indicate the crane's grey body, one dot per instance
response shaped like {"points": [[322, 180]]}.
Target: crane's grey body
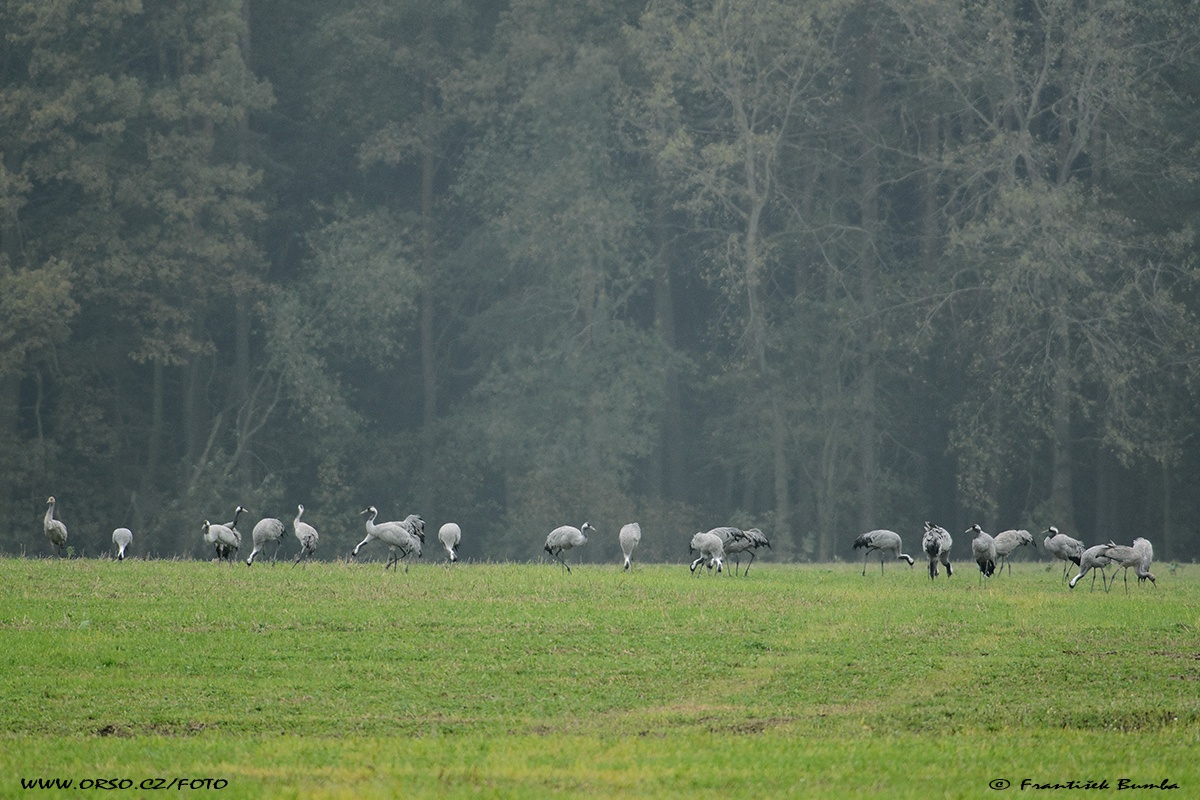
{"points": [[122, 538], [402, 537], [1064, 548], [936, 544], [267, 529], [883, 541], [983, 548], [711, 548], [225, 549], [739, 542], [1008, 541], [1138, 556], [223, 538], [1091, 559], [450, 535], [55, 530], [564, 538], [630, 537], [1144, 547], [305, 534], [416, 531]]}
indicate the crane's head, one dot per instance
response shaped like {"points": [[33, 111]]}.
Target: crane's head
{"points": [[1053, 531], [50, 500], [587, 526], [369, 511], [974, 529], [206, 526]]}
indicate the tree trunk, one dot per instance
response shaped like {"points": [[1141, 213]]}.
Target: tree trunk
{"points": [[155, 439], [868, 190], [1061, 492], [670, 467]]}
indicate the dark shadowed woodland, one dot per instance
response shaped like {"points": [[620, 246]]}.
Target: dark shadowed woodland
{"points": [[813, 267]]}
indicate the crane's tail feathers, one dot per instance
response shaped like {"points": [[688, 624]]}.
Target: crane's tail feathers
{"points": [[862, 541]]}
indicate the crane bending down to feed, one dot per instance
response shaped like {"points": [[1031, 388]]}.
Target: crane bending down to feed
{"points": [[1136, 557], [1094, 558], [266, 530], [225, 539], [1064, 548], [983, 547], [307, 536], [630, 537], [937, 543], [566, 537], [401, 537], [883, 541], [743, 542], [122, 538], [55, 530], [1008, 541], [450, 535], [1144, 547], [711, 549]]}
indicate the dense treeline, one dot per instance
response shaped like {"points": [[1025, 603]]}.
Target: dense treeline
{"points": [[813, 267]]}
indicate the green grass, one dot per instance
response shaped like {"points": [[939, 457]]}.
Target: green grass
{"points": [[337, 680]]}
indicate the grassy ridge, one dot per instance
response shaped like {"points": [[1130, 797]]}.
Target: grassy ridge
{"points": [[521, 680]]}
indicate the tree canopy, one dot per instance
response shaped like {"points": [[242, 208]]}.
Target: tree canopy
{"points": [[814, 267]]}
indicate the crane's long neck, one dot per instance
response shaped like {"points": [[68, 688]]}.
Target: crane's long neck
{"points": [[371, 522], [49, 513]]}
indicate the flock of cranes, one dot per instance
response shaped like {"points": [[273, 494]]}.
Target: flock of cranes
{"points": [[405, 538], [988, 550]]}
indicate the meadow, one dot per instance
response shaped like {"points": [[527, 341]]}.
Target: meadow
{"points": [[520, 680]]}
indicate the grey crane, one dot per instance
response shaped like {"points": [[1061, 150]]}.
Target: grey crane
{"points": [[630, 537], [401, 537], [1063, 547], [937, 543], [1010, 540], [566, 537], [416, 529], [450, 535], [711, 549], [122, 538], [1147, 550], [267, 529], [884, 541], [727, 534], [55, 530], [307, 536], [222, 537], [983, 547], [224, 548], [1125, 556], [1091, 559], [747, 541]]}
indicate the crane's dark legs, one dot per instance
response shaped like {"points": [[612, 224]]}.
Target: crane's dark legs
{"points": [[558, 555]]}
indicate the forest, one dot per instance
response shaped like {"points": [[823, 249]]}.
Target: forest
{"points": [[811, 266]]}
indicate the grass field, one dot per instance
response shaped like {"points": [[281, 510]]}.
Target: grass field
{"points": [[519, 680]]}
